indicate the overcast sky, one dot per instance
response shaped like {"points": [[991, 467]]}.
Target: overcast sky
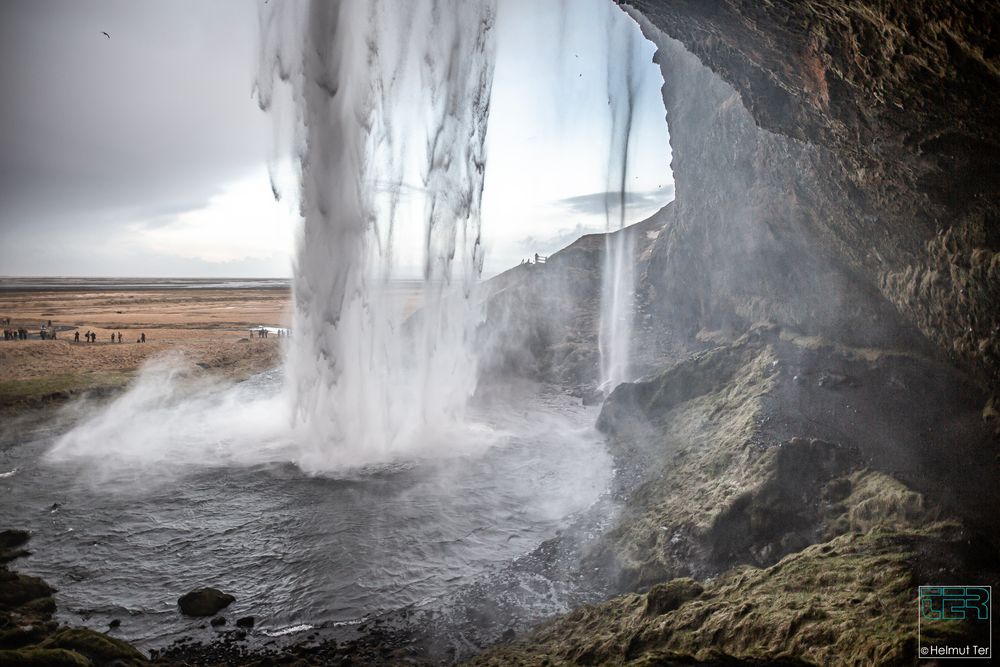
{"points": [[145, 154]]}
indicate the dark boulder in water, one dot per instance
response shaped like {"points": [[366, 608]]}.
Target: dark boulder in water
{"points": [[11, 542], [204, 602], [10, 539], [245, 622]]}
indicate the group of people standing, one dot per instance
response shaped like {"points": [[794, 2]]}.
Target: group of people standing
{"points": [[20, 333], [48, 332], [15, 334], [262, 333], [116, 337]]}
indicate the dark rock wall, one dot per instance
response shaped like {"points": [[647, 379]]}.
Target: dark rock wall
{"points": [[743, 247], [833, 158]]}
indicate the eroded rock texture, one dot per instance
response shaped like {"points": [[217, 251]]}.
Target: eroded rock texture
{"points": [[833, 152]]}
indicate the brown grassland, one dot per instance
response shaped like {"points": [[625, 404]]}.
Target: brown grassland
{"points": [[209, 327]]}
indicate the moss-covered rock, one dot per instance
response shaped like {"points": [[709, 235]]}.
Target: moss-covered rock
{"points": [[29, 636], [847, 601], [18, 589], [662, 598], [97, 647], [25, 633], [782, 516], [747, 452], [41, 657]]}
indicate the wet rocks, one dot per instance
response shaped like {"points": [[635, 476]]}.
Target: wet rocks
{"points": [[98, 648], [20, 589], [29, 636], [13, 538], [39, 657], [245, 622], [204, 602], [11, 543]]}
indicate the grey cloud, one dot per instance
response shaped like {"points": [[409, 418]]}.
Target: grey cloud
{"points": [[597, 203], [129, 130]]}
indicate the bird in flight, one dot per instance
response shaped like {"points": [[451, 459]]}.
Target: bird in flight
{"points": [[106, 34]]}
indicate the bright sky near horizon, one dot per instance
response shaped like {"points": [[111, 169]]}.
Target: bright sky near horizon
{"points": [[144, 154]]}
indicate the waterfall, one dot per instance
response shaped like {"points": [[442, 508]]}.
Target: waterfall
{"points": [[617, 278], [617, 297], [390, 102]]}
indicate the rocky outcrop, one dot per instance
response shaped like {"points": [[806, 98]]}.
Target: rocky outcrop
{"points": [[30, 636], [748, 447], [844, 602], [793, 493], [872, 150]]}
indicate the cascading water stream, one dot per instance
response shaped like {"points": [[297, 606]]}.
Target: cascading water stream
{"points": [[618, 279], [386, 93]]}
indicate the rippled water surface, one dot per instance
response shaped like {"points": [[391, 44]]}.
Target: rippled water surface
{"points": [[297, 549]]}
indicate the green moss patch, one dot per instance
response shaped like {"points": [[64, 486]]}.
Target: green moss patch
{"points": [[33, 390], [849, 601], [97, 647], [40, 657]]}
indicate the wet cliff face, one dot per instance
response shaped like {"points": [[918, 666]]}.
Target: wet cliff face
{"points": [[837, 169]]}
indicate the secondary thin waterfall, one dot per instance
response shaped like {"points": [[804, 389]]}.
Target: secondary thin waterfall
{"points": [[391, 102], [618, 279]]}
